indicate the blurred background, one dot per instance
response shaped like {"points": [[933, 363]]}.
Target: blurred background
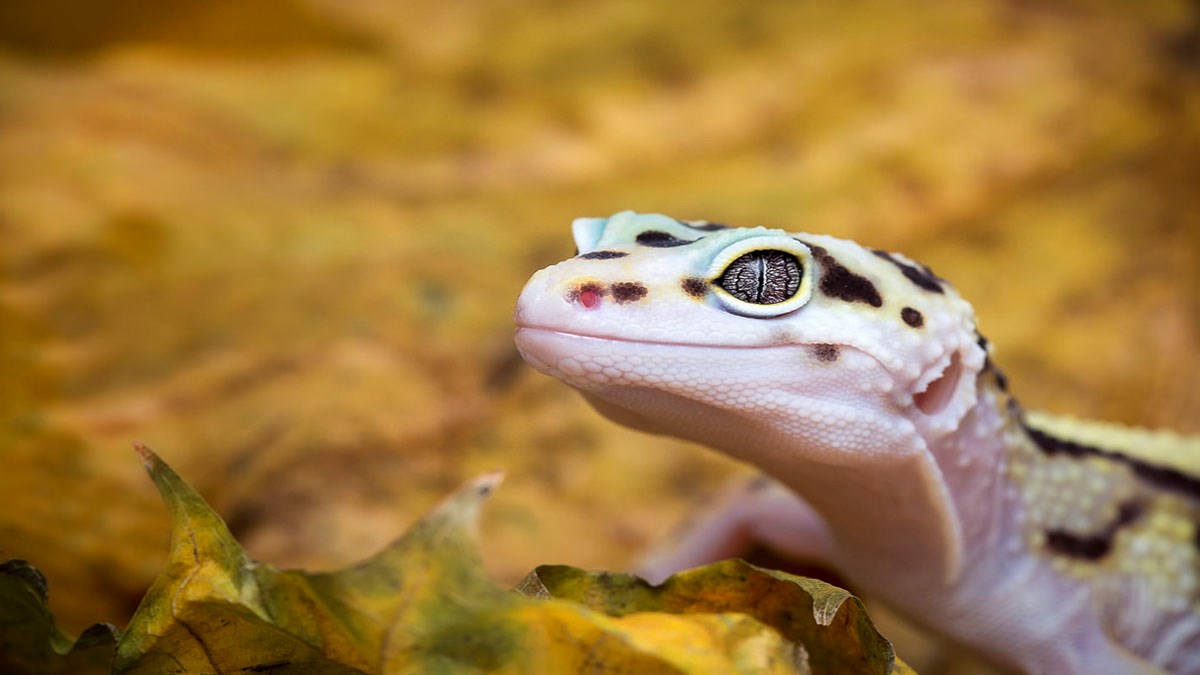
{"points": [[280, 241]]}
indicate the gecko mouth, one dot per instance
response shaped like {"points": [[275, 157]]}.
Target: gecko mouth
{"points": [[594, 359], [558, 353], [542, 330], [590, 360], [724, 389], [555, 352]]}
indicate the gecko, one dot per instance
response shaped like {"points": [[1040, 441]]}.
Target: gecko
{"points": [[857, 382]]}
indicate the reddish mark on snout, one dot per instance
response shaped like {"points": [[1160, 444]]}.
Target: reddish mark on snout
{"points": [[589, 298], [588, 294]]}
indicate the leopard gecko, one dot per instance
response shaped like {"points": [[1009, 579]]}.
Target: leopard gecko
{"points": [[856, 380]]}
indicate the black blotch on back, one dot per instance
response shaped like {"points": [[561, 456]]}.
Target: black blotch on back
{"points": [[1001, 379], [1094, 546], [695, 286], [1166, 478], [1163, 477], [988, 366], [1128, 513], [603, 255], [660, 239], [1075, 546], [627, 291], [703, 227], [1014, 409], [923, 277], [839, 282], [912, 317], [825, 352]]}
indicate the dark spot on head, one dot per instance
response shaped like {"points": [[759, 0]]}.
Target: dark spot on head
{"points": [[825, 353], [628, 291], [695, 286], [603, 255], [1163, 477], [912, 317], [923, 277], [839, 282], [1075, 546], [703, 226], [782, 335], [660, 239]]}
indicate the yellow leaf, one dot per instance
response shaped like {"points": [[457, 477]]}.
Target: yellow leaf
{"points": [[831, 624], [423, 604]]}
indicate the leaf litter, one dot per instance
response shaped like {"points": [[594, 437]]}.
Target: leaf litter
{"points": [[425, 605]]}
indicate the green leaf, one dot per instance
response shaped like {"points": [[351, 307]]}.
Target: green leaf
{"points": [[30, 641]]}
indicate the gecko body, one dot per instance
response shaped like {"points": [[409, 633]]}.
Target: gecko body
{"points": [[857, 380]]}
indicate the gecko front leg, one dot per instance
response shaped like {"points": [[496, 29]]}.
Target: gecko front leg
{"points": [[754, 512]]}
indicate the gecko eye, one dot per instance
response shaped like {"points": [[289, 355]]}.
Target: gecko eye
{"points": [[762, 276]]}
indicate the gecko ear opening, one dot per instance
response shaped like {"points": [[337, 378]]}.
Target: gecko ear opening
{"points": [[939, 392]]}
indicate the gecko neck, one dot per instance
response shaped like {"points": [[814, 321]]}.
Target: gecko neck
{"points": [[930, 512], [894, 510], [974, 463], [912, 526]]}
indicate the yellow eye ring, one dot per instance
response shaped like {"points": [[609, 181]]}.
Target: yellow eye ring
{"points": [[762, 277]]}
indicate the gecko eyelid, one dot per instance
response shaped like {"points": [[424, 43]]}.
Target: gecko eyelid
{"points": [[762, 277]]}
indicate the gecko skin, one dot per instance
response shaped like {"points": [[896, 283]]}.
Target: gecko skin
{"points": [[857, 379]]}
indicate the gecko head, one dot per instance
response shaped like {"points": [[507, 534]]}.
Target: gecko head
{"points": [[752, 336]]}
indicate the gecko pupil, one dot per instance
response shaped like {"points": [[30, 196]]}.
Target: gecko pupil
{"points": [[762, 277]]}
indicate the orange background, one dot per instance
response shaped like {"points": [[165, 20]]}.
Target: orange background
{"points": [[279, 242]]}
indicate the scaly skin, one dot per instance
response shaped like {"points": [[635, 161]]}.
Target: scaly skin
{"points": [[856, 378]]}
